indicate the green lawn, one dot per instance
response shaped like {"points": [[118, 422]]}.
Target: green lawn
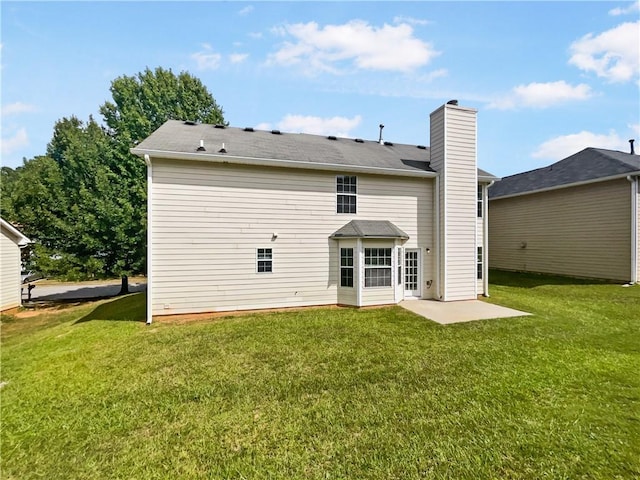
{"points": [[92, 392]]}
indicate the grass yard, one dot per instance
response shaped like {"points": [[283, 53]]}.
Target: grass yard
{"points": [[92, 392]]}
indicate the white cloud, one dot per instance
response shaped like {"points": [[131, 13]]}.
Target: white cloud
{"points": [[392, 48], [246, 10], [207, 59], [635, 129], [338, 126], [634, 7], [18, 141], [263, 126], [17, 108], [565, 145], [410, 20], [613, 54], [238, 57], [255, 35], [542, 95]]}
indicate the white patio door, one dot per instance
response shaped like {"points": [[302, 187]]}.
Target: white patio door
{"points": [[412, 273]]}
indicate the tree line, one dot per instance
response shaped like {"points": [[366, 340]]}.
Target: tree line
{"points": [[83, 202]]}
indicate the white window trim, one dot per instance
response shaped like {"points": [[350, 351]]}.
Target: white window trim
{"points": [[352, 267], [258, 259], [348, 194], [366, 267]]}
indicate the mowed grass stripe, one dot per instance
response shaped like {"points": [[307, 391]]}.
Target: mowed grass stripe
{"points": [[330, 393]]}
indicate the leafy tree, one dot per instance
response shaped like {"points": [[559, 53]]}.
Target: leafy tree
{"points": [[85, 201]]}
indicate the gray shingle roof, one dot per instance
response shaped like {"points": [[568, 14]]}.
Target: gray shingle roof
{"points": [[587, 165], [182, 138], [369, 229]]}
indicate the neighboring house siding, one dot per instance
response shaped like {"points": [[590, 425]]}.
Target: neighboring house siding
{"points": [[458, 197], [581, 231], [209, 219], [10, 276]]}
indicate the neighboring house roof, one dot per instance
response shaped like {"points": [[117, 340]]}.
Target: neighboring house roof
{"points": [[182, 140], [369, 229], [588, 165], [14, 233]]}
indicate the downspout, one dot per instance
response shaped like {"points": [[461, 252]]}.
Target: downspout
{"points": [[147, 161], [437, 238], [485, 239], [360, 272], [634, 228]]}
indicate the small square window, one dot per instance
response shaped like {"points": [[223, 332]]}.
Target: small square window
{"points": [[264, 258]]}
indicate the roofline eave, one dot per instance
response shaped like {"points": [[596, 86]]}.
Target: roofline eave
{"points": [[272, 162], [567, 185]]}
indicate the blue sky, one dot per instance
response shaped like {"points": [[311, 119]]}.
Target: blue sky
{"points": [[548, 78]]}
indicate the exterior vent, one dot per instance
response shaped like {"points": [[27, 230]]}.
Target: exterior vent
{"points": [[422, 147], [331, 137], [190, 122], [248, 129], [453, 102], [359, 140], [388, 144], [219, 126], [276, 132]]}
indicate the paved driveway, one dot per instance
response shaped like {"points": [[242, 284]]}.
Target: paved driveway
{"points": [[79, 291]]}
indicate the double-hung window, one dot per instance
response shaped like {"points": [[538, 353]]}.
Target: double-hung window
{"points": [[264, 259], [377, 267], [479, 263], [346, 267], [346, 190], [480, 199]]}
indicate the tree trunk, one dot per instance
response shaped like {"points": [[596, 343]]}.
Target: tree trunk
{"points": [[124, 286]]}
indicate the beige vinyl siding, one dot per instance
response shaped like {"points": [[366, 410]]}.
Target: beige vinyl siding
{"points": [[209, 219], [580, 231], [10, 276], [456, 147]]}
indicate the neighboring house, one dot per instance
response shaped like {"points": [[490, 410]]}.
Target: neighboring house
{"points": [[242, 219], [578, 217], [11, 243]]}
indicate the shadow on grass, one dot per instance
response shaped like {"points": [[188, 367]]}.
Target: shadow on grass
{"points": [[531, 280], [129, 308]]}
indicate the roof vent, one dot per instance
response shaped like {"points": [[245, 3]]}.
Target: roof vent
{"points": [[201, 147], [190, 122], [388, 144], [633, 152], [332, 137], [453, 102], [219, 125], [421, 147], [359, 140], [276, 132], [222, 150], [380, 138], [248, 129]]}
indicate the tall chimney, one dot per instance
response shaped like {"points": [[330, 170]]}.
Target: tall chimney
{"points": [[633, 152]]}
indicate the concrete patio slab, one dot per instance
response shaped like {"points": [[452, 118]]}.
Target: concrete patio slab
{"points": [[460, 311]]}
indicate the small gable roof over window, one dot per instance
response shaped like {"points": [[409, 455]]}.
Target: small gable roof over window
{"points": [[369, 229]]}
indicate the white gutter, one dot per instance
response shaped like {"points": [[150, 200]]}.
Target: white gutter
{"points": [[21, 240], [272, 162], [565, 185], [485, 240], [437, 238], [634, 228], [147, 161], [360, 272]]}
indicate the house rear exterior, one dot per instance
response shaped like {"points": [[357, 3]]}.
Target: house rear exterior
{"points": [[242, 219], [11, 241], [578, 217]]}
